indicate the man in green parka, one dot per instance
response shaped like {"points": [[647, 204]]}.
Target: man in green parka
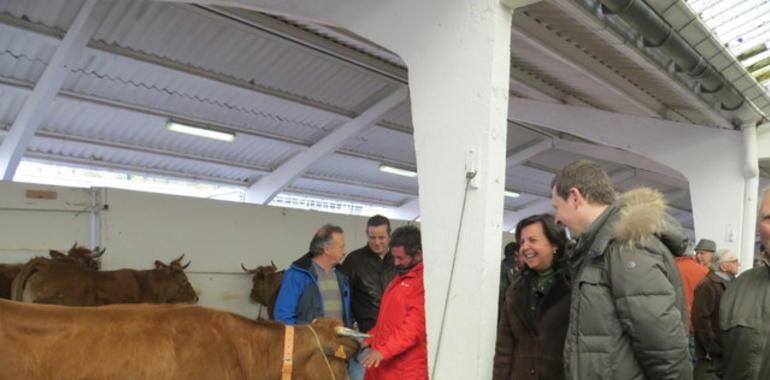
{"points": [[744, 314], [628, 313]]}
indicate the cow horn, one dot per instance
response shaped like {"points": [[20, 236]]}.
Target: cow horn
{"points": [[74, 246], [178, 261], [248, 270], [100, 252], [273, 264], [187, 265]]}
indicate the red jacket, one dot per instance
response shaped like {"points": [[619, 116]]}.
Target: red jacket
{"points": [[691, 273], [400, 331]]}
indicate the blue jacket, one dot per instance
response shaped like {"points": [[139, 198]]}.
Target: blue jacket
{"points": [[299, 299]]}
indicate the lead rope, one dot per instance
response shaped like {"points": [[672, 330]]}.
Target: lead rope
{"points": [[320, 348]]}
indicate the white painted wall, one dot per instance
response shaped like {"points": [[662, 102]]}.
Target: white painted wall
{"points": [[30, 227], [138, 228], [217, 236]]}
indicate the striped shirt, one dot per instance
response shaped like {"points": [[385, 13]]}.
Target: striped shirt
{"points": [[330, 291]]}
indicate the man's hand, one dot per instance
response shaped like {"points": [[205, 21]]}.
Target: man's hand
{"points": [[372, 359]]}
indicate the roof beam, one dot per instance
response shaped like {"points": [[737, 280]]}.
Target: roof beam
{"points": [[25, 88], [615, 155], [543, 89], [531, 149], [548, 43], [184, 156], [540, 206], [268, 186], [409, 210], [622, 175], [28, 120]]}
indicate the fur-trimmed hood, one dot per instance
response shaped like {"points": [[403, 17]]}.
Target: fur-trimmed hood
{"points": [[643, 215]]}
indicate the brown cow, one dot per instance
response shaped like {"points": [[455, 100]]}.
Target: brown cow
{"points": [[76, 255], [62, 284], [171, 342], [266, 283]]}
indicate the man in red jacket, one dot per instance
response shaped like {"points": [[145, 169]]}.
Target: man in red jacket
{"points": [[399, 348]]}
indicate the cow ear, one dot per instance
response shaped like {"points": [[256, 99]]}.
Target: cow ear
{"points": [[56, 254], [159, 265]]}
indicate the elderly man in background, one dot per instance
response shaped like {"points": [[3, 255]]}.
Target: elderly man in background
{"points": [[704, 250], [705, 314], [744, 314]]}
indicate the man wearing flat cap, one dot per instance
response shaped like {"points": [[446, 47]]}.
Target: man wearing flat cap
{"points": [[704, 251]]}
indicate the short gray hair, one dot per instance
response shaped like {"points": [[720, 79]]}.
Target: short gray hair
{"points": [[718, 258], [323, 238]]}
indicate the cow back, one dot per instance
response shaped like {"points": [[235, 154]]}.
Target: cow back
{"points": [[171, 342], [72, 285]]}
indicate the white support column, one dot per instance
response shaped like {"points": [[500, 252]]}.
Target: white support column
{"points": [[96, 197], [28, 120], [763, 141], [458, 56], [711, 159], [622, 175], [751, 171], [267, 187]]}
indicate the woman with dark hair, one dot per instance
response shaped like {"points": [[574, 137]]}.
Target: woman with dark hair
{"points": [[535, 315]]}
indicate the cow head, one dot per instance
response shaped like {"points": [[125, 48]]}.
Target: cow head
{"points": [[334, 345], [171, 284], [265, 282], [90, 259]]}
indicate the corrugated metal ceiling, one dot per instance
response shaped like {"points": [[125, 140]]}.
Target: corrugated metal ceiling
{"points": [[150, 60]]}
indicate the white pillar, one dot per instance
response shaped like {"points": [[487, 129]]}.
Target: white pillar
{"points": [[751, 171], [711, 159], [458, 55]]}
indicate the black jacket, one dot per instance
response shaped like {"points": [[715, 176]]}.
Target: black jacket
{"points": [[369, 277], [530, 342]]}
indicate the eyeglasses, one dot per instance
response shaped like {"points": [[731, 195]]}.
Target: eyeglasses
{"points": [[734, 261]]}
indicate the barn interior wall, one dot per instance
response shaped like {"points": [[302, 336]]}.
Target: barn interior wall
{"points": [[139, 228], [30, 227]]}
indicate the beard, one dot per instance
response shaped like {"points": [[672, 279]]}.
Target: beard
{"points": [[403, 269]]}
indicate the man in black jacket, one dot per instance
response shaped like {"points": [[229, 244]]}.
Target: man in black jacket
{"points": [[370, 270]]}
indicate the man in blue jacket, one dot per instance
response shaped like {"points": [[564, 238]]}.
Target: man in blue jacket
{"points": [[312, 287]]}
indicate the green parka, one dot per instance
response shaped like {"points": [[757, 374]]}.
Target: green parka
{"points": [[744, 316], [628, 314]]}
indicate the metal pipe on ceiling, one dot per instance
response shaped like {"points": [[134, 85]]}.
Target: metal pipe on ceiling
{"points": [[657, 33]]}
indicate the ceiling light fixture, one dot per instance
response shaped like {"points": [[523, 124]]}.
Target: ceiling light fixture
{"points": [[511, 194], [200, 132], [397, 171]]}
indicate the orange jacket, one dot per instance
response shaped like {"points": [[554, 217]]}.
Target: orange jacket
{"points": [[399, 334], [691, 273]]}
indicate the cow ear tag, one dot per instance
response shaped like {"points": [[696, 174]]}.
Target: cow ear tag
{"points": [[340, 353]]}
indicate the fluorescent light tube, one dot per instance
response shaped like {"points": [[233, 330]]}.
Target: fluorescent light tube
{"points": [[200, 132], [511, 194], [397, 171]]}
